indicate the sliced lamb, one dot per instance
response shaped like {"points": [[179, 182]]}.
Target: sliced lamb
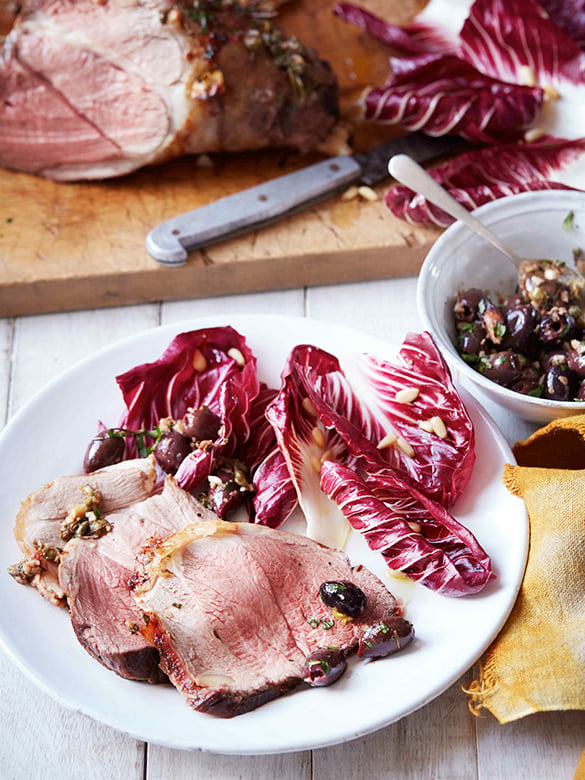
{"points": [[95, 576], [91, 90], [234, 610], [54, 512]]}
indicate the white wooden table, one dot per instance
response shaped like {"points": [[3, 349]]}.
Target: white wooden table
{"points": [[442, 741]]}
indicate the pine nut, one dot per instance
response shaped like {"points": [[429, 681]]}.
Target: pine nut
{"points": [[407, 395], [318, 436], [327, 455], [527, 76], [236, 355], [535, 134], [403, 445], [199, 361], [350, 194], [367, 193], [414, 527], [309, 406], [551, 93], [388, 441], [439, 427], [426, 425], [315, 463]]}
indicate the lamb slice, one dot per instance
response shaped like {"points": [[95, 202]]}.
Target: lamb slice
{"points": [[95, 576], [234, 610], [91, 90], [39, 527]]}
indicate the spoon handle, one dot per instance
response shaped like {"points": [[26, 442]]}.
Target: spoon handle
{"points": [[405, 170]]}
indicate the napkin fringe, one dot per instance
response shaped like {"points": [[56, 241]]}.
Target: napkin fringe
{"points": [[477, 691]]}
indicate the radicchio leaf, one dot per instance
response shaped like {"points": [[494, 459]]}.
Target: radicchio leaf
{"points": [[444, 95], [522, 47], [417, 38], [275, 494], [355, 409], [483, 175], [295, 421], [570, 16], [413, 534]]}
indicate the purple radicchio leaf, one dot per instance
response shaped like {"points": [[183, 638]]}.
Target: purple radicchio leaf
{"points": [[440, 465], [413, 39], [304, 443], [443, 95], [275, 496], [323, 413], [413, 534], [570, 16], [213, 367], [483, 175]]}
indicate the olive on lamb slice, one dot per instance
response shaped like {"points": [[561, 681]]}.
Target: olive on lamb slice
{"points": [[385, 637], [105, 449], [343, 597], [171, 450], [324, 666]]}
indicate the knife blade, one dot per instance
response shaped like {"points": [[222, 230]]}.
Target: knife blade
{"points": [[256, 207]]}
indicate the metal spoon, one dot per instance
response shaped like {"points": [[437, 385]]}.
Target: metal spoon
{"points": [[405, 170]]}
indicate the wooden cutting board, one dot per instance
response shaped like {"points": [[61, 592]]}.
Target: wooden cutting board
{"points": [[72, 246]]}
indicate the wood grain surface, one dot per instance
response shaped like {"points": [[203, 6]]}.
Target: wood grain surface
{"points": [[74, 246]]}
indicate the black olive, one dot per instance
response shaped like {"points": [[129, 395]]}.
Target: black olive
{"points": [[559, 384], [505, 368], [492, 320], [556, 357], [576, 361], [513, 301], [223, 498], [521, 323], [470, 338], [172, 450], [555, 326], [466, 307], [344, 597], [385, 637], [201, 424], [324, 666], [105, 449]]}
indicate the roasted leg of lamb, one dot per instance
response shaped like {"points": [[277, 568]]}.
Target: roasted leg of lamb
{"points": [[91, 89]]}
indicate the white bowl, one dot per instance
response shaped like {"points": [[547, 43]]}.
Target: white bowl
{"points": [[532, 225]]}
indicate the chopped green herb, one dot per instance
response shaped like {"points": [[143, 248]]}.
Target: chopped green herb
{"points": [[568, 221], [146, 618], [177, 604], [327, 624], [313, 622]]}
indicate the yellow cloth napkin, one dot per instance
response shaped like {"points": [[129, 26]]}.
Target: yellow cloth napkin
{"points": [[537, 662]]}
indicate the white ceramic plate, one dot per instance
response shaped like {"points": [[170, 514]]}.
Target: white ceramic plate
{"points": [[48, 437]]}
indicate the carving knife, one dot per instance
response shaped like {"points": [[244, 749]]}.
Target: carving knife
{"points": [[170, 242]]}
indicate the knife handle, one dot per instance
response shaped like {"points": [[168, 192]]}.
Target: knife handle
{"points": [[169, 242]]}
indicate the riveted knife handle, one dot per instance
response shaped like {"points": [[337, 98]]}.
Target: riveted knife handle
{"points": [[170, 242]]}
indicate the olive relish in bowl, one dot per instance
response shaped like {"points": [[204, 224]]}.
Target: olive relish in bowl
{"points": [[532, 341]]}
